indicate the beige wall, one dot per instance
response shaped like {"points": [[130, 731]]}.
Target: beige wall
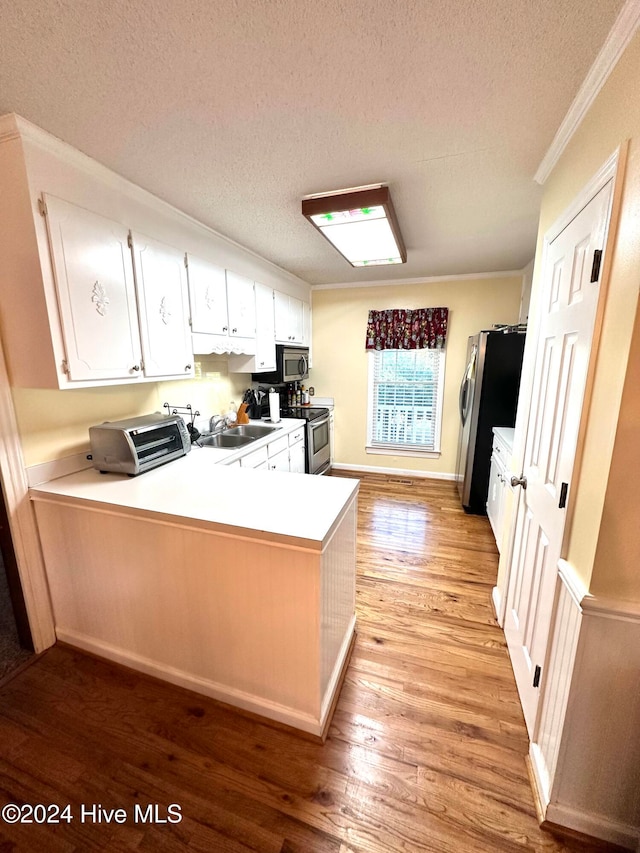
{"points": [[340, 360], [55, 424], [605, 495]]}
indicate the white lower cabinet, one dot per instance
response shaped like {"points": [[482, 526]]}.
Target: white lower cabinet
{"points": [[499, 480], [281, 453], [255, 459], [279, 461], [297, 451], [278, 450]]}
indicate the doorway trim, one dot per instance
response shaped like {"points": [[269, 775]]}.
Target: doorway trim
{"points": [[22, 523]]}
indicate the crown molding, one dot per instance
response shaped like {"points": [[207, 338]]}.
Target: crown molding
{"points": [[615, 44], [9, 127], [420, 280]]}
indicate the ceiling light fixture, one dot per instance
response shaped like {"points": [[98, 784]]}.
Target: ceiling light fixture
{"points": [[360, 223]]}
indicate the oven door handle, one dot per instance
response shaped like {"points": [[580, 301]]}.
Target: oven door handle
{"points": [[319, 422]]}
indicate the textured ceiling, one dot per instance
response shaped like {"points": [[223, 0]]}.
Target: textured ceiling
{"points": [[232, 110]]}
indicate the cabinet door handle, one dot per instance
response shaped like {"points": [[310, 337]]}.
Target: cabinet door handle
{"points": [[233, 331], [136, 367], [225, 328], [187, 367]]}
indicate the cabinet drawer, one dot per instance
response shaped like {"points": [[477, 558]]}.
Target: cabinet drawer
{"points": [[296, 436], [278, 445], [501, 449]]}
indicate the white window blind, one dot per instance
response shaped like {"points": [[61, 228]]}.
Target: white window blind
{"points": [[405, 399]]}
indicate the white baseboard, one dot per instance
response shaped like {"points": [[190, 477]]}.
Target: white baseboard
{"points": [[594, 825], [400, 472], [334, 681], [496, 598], [221, 692], [597, 826]]}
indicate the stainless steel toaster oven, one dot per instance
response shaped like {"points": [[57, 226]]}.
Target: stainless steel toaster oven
{"points": [[136, 445]]}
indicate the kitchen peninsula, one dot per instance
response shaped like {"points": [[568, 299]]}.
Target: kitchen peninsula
{"points": [[235, 583]]}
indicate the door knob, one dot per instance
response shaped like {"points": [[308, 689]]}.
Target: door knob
{"points": [[519, 481]]}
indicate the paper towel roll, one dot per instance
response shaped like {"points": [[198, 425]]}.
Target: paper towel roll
{"points": [[274, 406]]}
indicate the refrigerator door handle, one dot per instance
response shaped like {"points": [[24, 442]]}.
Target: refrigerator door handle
{"points": [[464, 388]]}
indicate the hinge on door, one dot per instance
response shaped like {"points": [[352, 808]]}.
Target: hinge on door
{"points": [[130, 240], [536, 676], [65, 366], [564, 488], [595, 269], [42, 207]]}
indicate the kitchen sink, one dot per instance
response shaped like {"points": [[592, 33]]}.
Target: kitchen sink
{"points": [[223, 439], [251, 430]]}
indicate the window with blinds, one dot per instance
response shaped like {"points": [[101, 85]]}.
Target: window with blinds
{"points": [[405, 399]]}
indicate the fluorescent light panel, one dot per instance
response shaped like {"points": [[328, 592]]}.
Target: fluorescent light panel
{"points": [[361, 224]]}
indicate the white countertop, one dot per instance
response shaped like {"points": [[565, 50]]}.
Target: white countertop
{"points": [[196, 490]]}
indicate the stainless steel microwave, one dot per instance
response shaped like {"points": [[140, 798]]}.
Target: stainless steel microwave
{"points": [[292, 365], [135, 445]]}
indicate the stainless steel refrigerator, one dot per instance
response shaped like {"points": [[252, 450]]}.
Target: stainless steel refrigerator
{"points": [[488, 398]]}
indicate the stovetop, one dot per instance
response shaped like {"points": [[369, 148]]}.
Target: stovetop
{"points": [[307, 413]]}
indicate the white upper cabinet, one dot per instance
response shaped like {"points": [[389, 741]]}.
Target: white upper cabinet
{"points": [[223, 309], [208, 293], [78, 310], [289, 319], [94, 280], [163, 304], [265, 330], [264, 359], [241, 305]]}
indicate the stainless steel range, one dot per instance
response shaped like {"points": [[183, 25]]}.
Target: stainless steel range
{"points": [[318, 459]]}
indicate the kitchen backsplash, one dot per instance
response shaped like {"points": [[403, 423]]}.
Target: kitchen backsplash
{"points": [[55, 424]]}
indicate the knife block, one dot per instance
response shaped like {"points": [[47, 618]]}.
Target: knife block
{"points": [[243, 417]]}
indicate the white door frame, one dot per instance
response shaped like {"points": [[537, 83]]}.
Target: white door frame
{"points": [[22, 523], [614, 169]]}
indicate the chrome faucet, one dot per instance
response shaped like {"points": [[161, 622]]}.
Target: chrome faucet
{"points": [[218, 423]]}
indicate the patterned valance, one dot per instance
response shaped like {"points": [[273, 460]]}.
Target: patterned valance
{"points": [[407, 328]]}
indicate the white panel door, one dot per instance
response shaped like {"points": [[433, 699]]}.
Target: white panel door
{"points": [[163, 303], [208, 294], [96, 292], [569, 303]]}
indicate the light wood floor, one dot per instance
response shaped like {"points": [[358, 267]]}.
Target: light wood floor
{"points": [[425, 753]]}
